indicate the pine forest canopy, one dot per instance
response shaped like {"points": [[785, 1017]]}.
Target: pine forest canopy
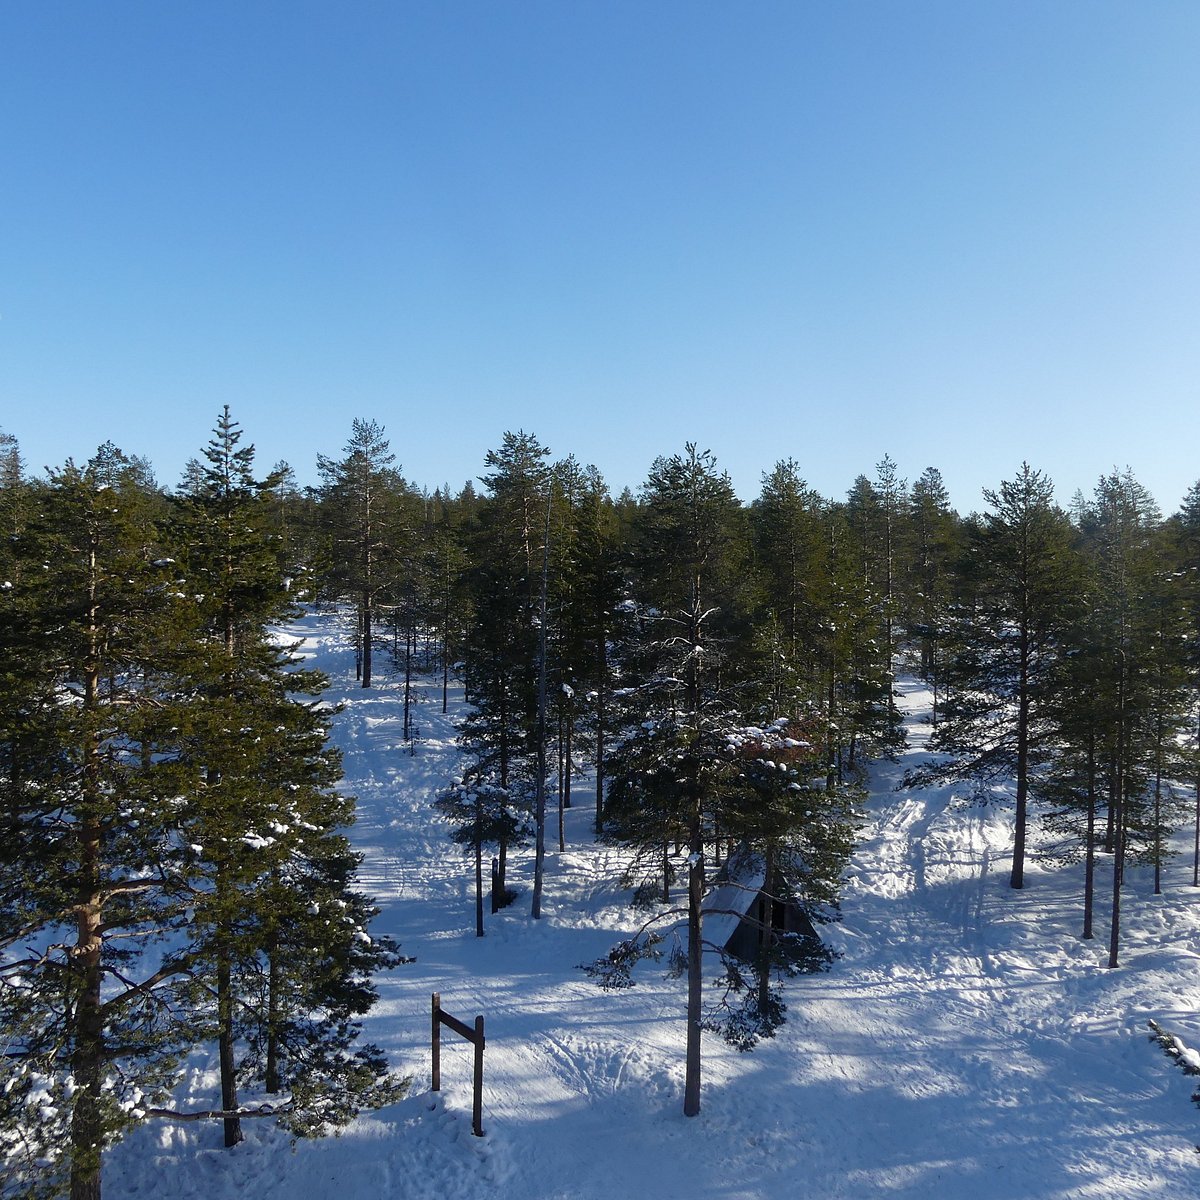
{"points": [[723, 672]]}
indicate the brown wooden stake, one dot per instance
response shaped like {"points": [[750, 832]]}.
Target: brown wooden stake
{"points": [[474, 1036], [437, 1043], [477, 1111]]}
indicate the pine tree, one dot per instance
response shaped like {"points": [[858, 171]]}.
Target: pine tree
{"points": [[1141, 672], [277, 922], [862, 722], [789, 530], [449, 612], [933, 547], [583, 590], [687, 771], [997, 724], [1168, 704], [783, 817], [1186, 557], [893, 501], [664, 774], [1074, 784], [482, 814], [15, 501], [506, 545], [93, 875], [359, 499]]}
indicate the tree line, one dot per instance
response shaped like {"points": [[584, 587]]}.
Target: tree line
{"points": [[174, 869], [174, 842], [727, 670]]}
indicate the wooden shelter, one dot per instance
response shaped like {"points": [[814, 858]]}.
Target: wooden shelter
{"points": [[739, 913]]}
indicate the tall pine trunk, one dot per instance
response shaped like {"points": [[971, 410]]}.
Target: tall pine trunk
{"points": [[766, 933], [601, 688], [1118, 821], [1017, 879], [272, 1079], [409, 638], [1089, 871], [1196, 851], [87, 1060], [695, 977], [367, 636], [479, 867], [225, 1044]]}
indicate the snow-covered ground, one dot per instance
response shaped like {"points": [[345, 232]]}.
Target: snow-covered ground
{"points": [[966, 1044]]}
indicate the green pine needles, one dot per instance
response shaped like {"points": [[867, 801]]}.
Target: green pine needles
{"points": [[173, 866]]}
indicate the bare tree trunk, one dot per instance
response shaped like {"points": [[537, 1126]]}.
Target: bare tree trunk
{"points": [[366, 639], [1017, 879], [563, 801], [409, 637], [87, 1060], [1118, 819], [499, 883], [272, 1081], [540, 802], [1110, 829], [570, 729], [695, 978], [1158, 846], [601, 686], [1089, 871], [767, 933], [1114, 937], [1196, 847], [1196, 853], [479, 869], [445, 676], [229, 1097]]}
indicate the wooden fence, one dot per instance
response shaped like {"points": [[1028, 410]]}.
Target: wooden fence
{"points": [[475, 1036]]}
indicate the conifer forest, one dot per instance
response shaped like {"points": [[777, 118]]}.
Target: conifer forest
{"points": [[710, 678]]}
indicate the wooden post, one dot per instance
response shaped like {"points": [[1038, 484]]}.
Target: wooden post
{"points": [[437, 1042], [475, 1036], [477, 1108]]}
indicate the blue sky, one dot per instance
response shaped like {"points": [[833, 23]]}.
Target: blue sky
{"points": [[965, 234]]}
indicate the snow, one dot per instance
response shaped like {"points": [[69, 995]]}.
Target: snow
{"points": [[966, 1042], [730, 899]]}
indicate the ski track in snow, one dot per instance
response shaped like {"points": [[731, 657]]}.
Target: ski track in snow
{"points": [[967, 1042]]}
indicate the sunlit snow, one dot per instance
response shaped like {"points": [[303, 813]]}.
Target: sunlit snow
{"points": [[967, 1043]]}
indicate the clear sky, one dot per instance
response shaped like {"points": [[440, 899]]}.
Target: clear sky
{"points": [[965, 234]]}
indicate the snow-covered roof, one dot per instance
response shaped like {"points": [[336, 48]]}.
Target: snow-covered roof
{"points": [[735, 890]]}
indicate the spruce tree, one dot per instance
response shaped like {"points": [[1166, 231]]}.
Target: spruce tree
{"points": [[277, 922]]}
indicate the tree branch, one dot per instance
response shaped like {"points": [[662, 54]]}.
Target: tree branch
{"points": [[217, 1114]]}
